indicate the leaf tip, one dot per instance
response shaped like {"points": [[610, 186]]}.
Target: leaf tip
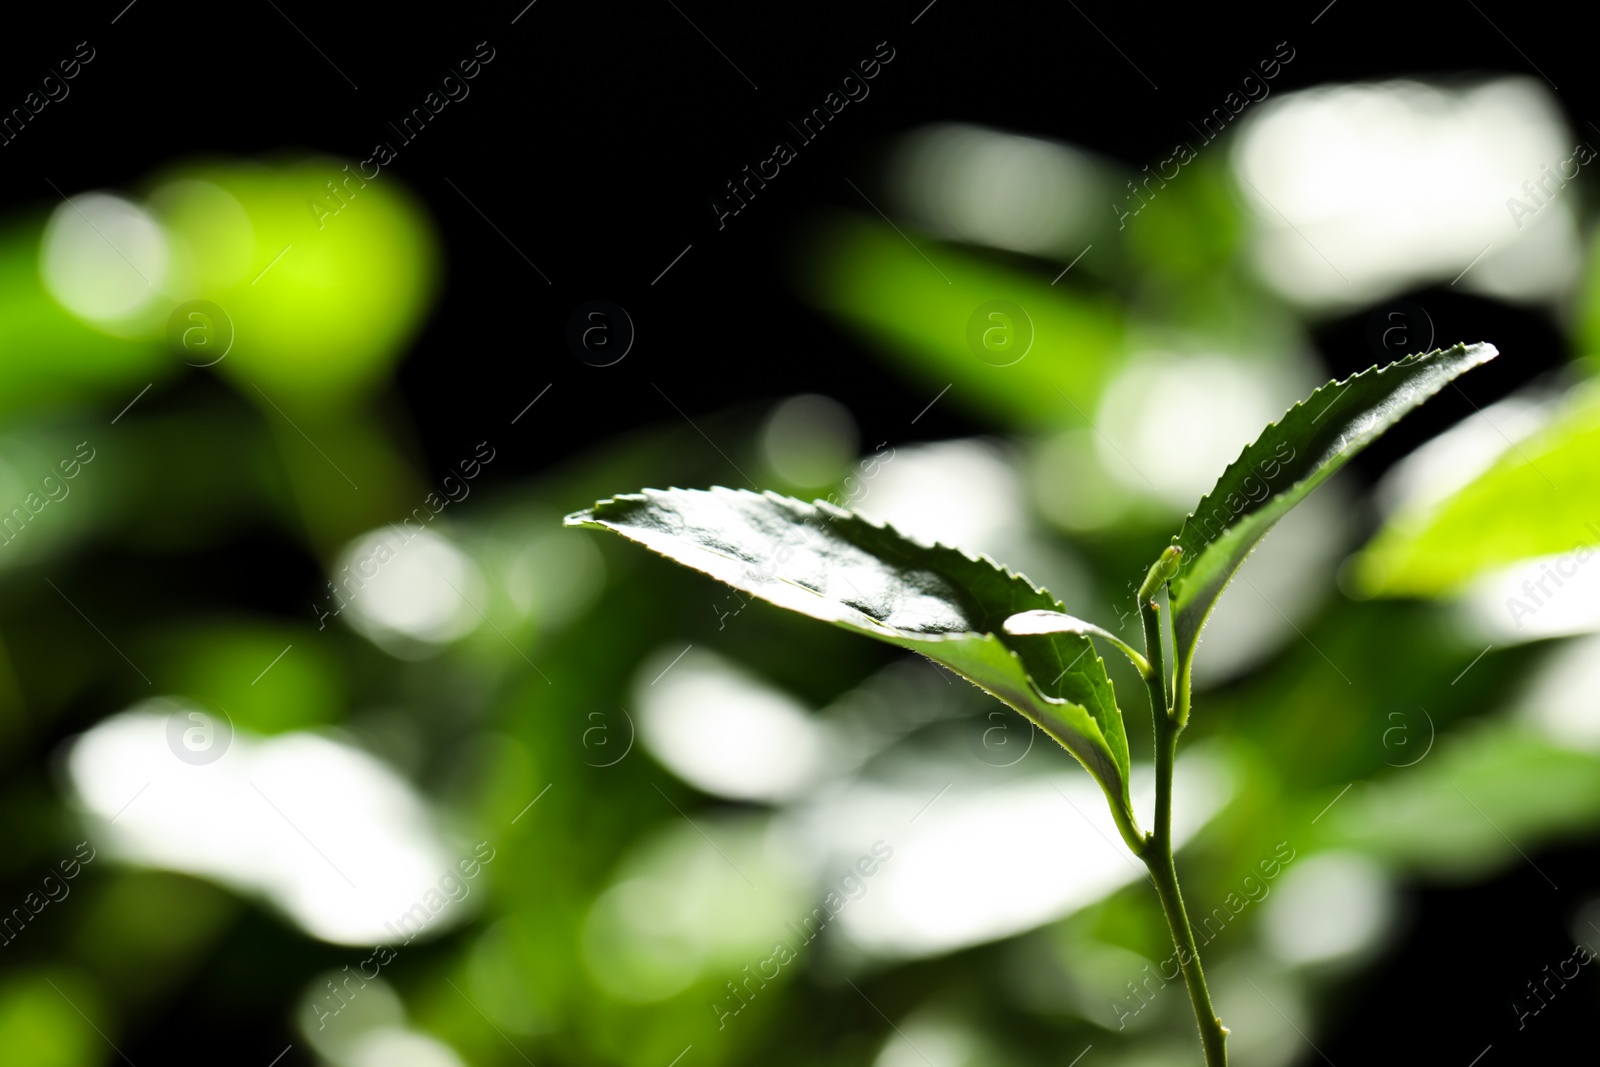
{"points": [[590, 516], [1477, 353]]}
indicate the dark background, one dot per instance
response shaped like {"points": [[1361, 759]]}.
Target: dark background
{"points": [[593, 143], [598, 135]]}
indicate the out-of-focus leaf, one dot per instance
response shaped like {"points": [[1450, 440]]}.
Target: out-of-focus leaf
{"points": [[836, 566], [42, 1026], [1587, 318], [1189, 229], [1459, 810], [920, 310], [340, 272], [270, 679], [48, 356], [1292, 457], [1538, 499]]}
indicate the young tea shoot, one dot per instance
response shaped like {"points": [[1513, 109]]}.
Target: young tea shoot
{"points": [[1014, 640]]}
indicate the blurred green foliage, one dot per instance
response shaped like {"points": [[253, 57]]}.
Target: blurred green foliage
{"points": [[330, 318], [1541, 498], [918, 310]]}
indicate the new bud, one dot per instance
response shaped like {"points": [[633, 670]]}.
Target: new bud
{"points": [[1161, 571]]}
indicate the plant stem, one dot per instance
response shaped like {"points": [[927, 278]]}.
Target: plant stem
{"points": [[1157, 854], [1164, 873]]}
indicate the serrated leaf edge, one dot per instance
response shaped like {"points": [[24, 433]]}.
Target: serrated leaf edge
{"points": [[1377, 371], [587, 517]]}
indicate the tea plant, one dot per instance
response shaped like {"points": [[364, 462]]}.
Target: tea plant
{"points": [[1013, 639]]}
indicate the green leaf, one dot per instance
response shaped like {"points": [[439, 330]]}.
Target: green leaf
{"points": [[1054, 622], [1292, 457], [1537, 499], [834, 565]]}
